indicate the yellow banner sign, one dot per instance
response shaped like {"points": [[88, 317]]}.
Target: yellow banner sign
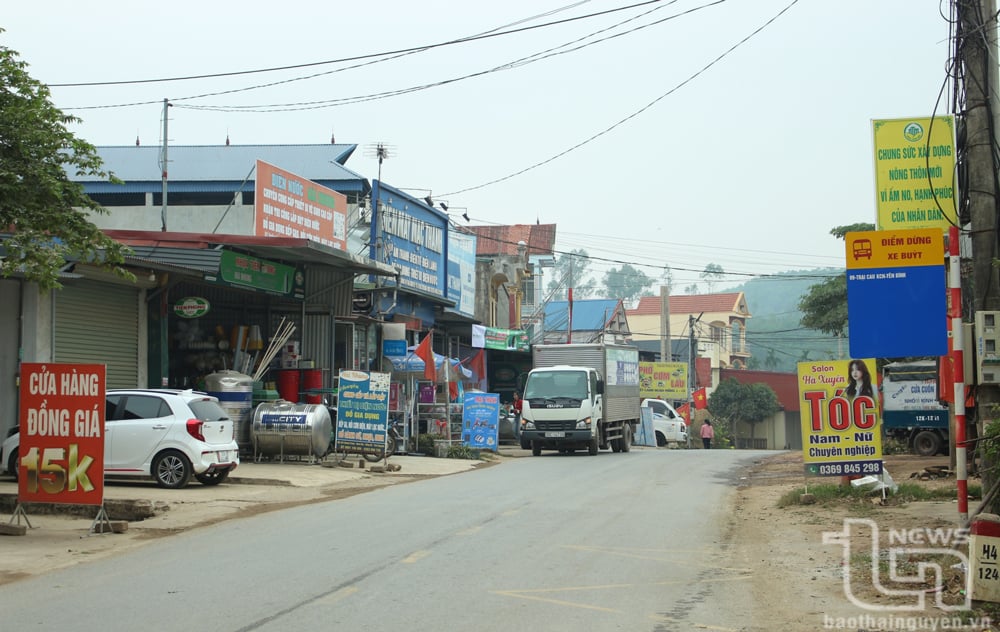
{"points": [[841, 433], [663, 380], [895, 248], [915, 172]]}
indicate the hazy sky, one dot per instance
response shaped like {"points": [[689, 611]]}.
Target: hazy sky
{"points": [[642, 133]]}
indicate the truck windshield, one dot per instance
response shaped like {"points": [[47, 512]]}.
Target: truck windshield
{"points": [[551, 384]]}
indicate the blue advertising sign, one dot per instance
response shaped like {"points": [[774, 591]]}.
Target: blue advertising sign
{"points": [[462, 272], [394, 348], [409, 235], [896, 294], [481, 420], [362, 411]]}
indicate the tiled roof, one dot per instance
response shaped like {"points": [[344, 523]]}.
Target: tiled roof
{"points": [[503, 240], [688, 304], [785, 385]]}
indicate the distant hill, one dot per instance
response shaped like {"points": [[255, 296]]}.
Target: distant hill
{"points": [[775, 336]]}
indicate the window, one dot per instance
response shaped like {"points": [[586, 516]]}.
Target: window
{"points": [[143, 407], [737, 336]]}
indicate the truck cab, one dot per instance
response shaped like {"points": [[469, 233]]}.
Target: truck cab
{"points": [[561, 404]]}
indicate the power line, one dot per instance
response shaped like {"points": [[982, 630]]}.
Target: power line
{"points": [[413, 49]]}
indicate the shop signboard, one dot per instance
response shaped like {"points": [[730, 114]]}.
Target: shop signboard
{"points": [[192, 307], [481, 420], [915, 172], [663, 380], [362, 410], [288, 205], [410, 236], [62, 433], [242, 270], [394, 348], [841, 430], [896, 295], [462, 272], [623, 367], [500, 339]]}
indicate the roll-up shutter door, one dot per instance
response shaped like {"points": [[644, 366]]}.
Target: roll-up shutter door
{"points": [[98, 323]]}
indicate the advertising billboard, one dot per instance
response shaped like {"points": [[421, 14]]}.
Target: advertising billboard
{"points": [[915, 172], [841, 430], [288, 205], [663, 380], [61, 451]]}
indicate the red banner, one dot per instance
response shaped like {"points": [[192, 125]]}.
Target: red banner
{"points": [[61, 450]]}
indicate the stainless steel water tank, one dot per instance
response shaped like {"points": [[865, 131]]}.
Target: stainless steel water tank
{"points": [[285, 428], [235, 393]]}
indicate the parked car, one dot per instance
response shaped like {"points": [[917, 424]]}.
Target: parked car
{"points": [[170, 435], [670, 431]]}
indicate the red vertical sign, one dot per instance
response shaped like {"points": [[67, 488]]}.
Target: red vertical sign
{"points": [[61, 451]]}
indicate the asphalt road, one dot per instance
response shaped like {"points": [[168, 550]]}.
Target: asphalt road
{"points": [[632, 541]]}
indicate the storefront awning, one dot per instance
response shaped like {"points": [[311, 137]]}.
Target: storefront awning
{"points": [[202, 251]]}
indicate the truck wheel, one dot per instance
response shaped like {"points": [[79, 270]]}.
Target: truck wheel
{"points": [[627, 438], [926, 443], [616, 445], [536, 448], [593, 447]]}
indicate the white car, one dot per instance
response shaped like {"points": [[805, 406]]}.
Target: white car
{"points": [[168, 434], [668, 425]]}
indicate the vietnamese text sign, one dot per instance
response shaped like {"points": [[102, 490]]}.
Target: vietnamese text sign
{"points": [[287, 205], [500, 339], [362, 410], [663, 380], [896, 296], [246, 271], [61, 451], [840, 420], [915, 172], [480, 420]]}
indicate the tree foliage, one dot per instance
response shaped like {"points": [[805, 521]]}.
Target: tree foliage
{"points": [[733, 402], [711, 275], [570, 271], [824, 307], [45, 212], [626, 283]]}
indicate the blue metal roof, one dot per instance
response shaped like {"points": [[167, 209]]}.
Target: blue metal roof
{"points": [[205, 168], [588, 314]]}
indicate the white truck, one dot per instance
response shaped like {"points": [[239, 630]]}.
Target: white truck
{"points": [[581, 397], [669, 427]]}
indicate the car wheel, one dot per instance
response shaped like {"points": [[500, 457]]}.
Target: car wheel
{"points": [[926, 443], [213, 477], [171, 469], [12, 464], [660, 440]]}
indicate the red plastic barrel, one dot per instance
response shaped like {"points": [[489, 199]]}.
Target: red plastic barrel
{"points": [[312, 379], [288, 385]]}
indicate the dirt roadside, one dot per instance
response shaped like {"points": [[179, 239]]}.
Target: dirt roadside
{"points": [[798, 581]]}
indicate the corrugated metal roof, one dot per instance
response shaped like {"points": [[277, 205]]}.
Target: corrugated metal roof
{"points": [[588, 315], [214, 165], [200, 246]]}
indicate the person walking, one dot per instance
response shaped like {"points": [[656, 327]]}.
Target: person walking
{"points": [[707, 434], [516, 406]]}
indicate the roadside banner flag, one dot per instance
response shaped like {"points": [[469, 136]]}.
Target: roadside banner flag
{"points": [[478, 364], [685, 411], [425, 353], [700, 399]]}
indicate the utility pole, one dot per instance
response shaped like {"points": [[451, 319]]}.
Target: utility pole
{"points": [[976, 48], [665, 355], [163, 167]]}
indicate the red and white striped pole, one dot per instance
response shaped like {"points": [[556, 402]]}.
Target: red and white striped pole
{"points": [[957, 356]]}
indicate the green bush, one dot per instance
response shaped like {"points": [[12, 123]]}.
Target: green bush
{"points": [[463, 452], [425, 444]]}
